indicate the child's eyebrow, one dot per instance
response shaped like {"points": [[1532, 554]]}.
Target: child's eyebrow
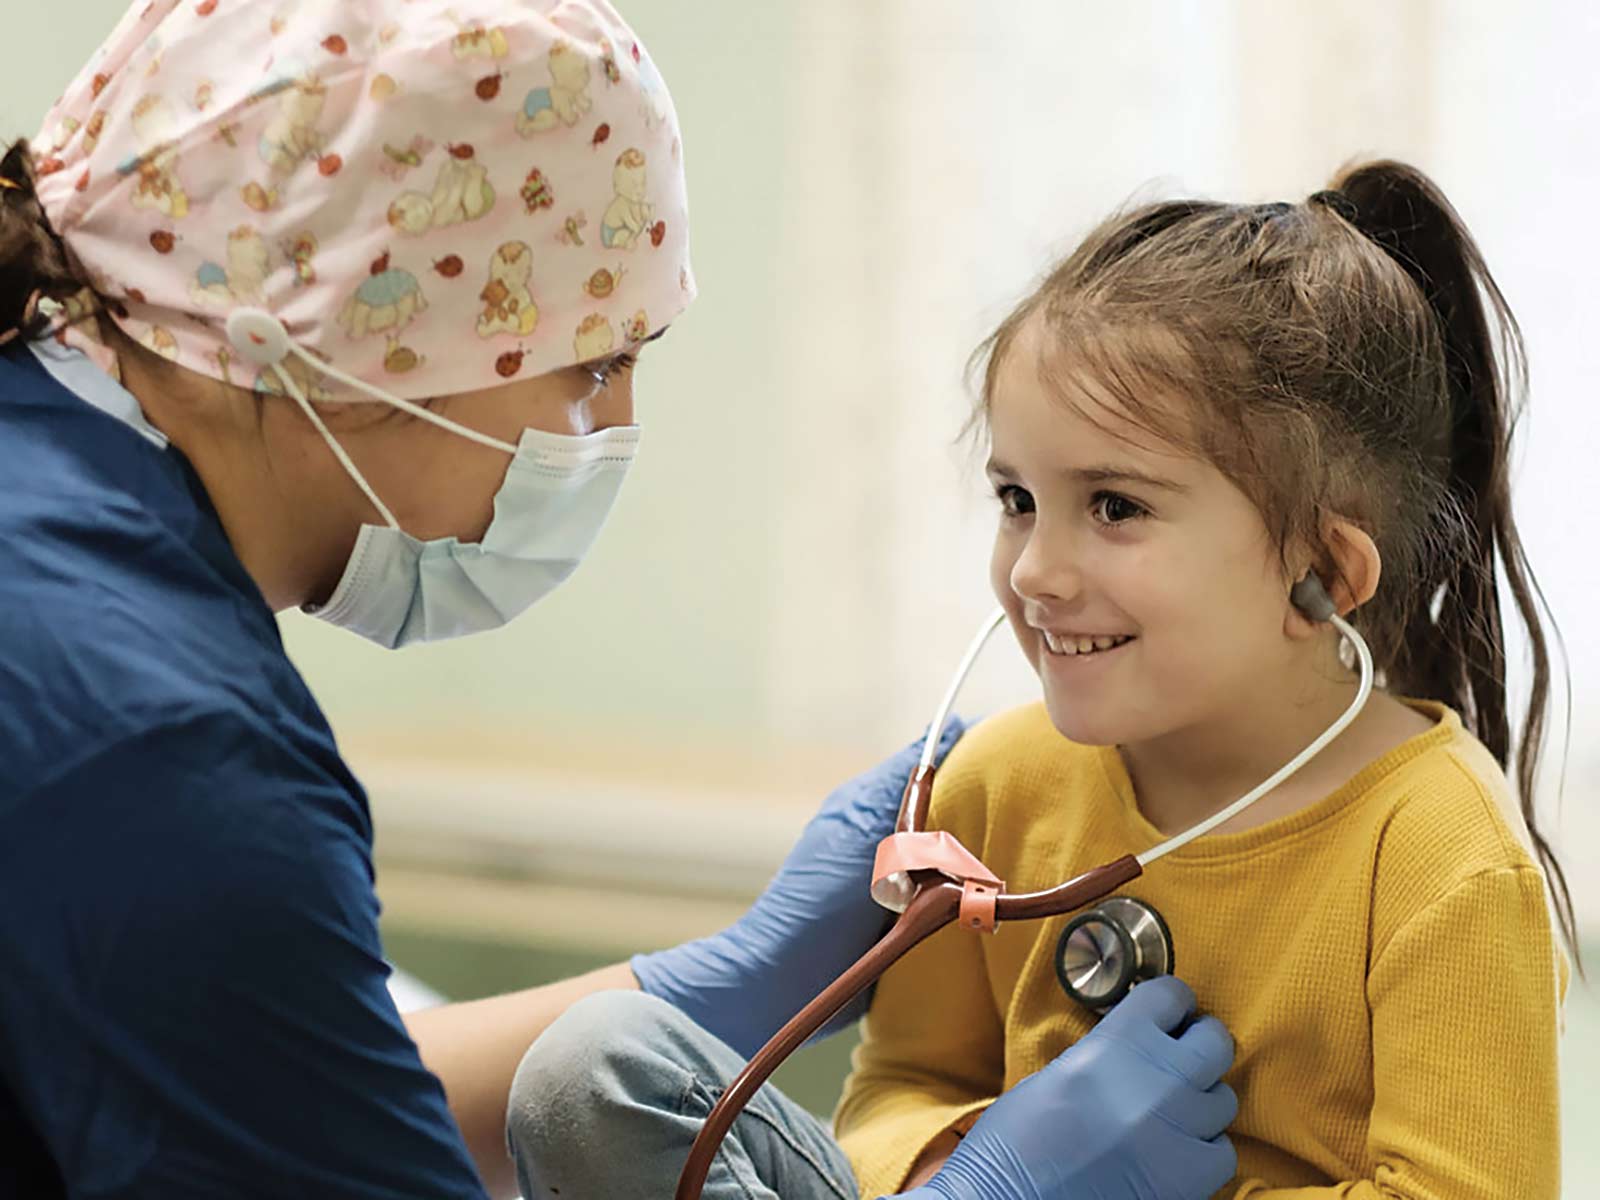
{"points": [[1111, 474], [1104, 473]]}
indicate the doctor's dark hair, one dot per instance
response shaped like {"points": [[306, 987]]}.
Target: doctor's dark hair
{"points": [[1350, 355], [32, 259]]}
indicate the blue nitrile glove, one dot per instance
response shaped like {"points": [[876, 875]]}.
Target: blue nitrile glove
{"points": [[815, 918], [1130, 1112]]}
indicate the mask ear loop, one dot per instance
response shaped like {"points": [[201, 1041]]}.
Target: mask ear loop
{"points": [[416, 410], [293, 389], [261, 338]]}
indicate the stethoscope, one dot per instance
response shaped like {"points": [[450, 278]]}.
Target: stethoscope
{"points": [[1103, 952], [930, 879]]}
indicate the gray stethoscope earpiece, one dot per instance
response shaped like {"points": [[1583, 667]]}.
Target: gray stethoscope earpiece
{"points": [[1105, 950], [1312, 599]]}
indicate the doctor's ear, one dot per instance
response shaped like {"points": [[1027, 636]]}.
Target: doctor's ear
{"points": [[1348, 575]]}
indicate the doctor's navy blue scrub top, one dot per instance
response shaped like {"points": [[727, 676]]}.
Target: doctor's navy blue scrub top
{"points": [[192, 991]]}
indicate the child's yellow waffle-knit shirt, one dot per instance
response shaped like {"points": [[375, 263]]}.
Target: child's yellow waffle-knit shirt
{"points": [[1384, 959]]}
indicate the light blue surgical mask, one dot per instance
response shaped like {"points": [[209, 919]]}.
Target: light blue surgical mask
{"points": [[398, 590]]}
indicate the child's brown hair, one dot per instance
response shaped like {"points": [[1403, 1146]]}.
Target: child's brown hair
{"points": [[1350, 355]]}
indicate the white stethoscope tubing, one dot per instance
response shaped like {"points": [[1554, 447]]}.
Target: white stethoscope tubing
{"points": [[930, 744], [1363, 690]]}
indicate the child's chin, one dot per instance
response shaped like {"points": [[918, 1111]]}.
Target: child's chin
{"points": [[1076, 724]]}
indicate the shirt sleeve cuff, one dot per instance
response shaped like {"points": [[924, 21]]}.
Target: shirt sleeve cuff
{"points": [[883, 1150]]}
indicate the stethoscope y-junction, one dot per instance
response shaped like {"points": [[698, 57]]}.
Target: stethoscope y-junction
{"points": [[931, 879]]}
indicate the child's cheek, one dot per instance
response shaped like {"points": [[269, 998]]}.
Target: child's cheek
{"points": [[1001, 562], [1000, 567]]}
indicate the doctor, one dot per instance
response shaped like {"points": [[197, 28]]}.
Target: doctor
{"points": [[297, 310]]}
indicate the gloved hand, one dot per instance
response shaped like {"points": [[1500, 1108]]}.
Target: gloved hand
{"points": [[815, 918], [1130, 1112]]}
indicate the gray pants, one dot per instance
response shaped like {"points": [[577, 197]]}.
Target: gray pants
{"points": [[607, 1101]]}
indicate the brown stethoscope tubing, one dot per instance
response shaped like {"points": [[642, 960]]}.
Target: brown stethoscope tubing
{"points": [[935, 903]]}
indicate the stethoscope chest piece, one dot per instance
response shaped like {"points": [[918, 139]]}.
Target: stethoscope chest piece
{"points": [[1105, 950]]}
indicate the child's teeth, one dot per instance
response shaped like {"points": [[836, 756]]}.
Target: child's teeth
{"points": [[1060, 643]]}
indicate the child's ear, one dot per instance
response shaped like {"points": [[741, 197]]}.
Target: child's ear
{"points": [[1349, 568]]}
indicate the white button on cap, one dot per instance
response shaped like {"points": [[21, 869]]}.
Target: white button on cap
{"points": [[258, 336]]}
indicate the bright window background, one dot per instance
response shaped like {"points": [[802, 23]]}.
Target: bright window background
{"points": [[800, 554]]}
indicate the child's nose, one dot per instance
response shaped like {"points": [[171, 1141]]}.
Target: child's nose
{"points": [[1046, 570]]}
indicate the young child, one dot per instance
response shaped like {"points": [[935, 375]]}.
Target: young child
{"points": [[1201, 405]]}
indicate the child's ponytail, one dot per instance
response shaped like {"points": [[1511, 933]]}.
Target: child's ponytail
{"points": [[1453, 645]]}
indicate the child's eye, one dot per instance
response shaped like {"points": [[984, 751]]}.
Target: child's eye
{"points": [[1113, 508], [1014, 501]]}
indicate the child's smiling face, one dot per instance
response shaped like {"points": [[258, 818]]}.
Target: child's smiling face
{"points": [[1141, 583]]}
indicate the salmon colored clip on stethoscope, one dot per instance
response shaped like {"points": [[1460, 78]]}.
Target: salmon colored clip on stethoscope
{"points": [[931, 879]]}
